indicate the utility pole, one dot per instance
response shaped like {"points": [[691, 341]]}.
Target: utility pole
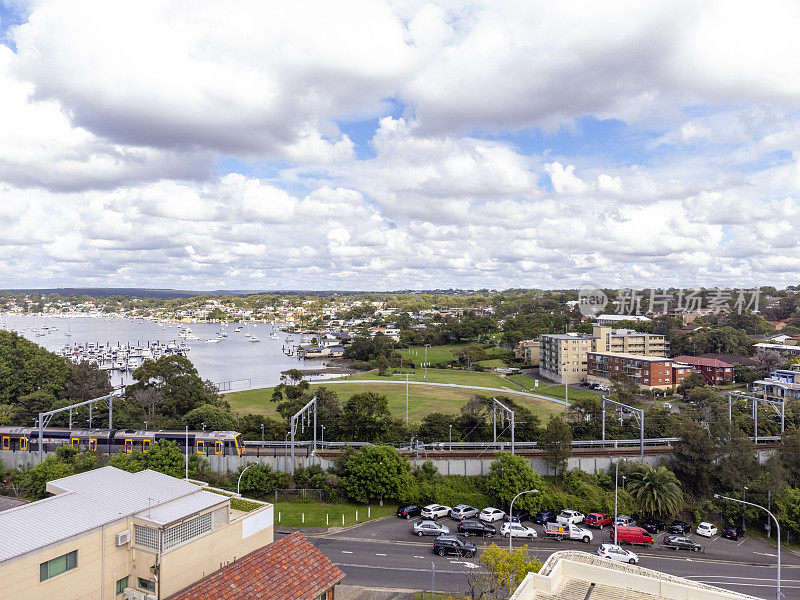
{"points": [[426, 361]]}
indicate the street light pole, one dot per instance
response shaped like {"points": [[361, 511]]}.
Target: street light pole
{"points": [[322, 437], [426, 361], [616, 487], [450, 438], [511, 513], [744, 497], [240, 478], [777, 525]]}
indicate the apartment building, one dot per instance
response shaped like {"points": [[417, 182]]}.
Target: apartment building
{"points": [[108, 534], [573, 575], [648, 372], [564, 356], [782, 384], [715, 372], [528, 352], [785, 350]]}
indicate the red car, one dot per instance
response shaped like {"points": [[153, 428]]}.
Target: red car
{"points": [[632, 535], [598, 520]]}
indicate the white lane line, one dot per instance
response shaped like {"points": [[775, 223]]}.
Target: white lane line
{"points": [[346, 552], [379, 554], [418, 556], [765, 554], [740, 543], [385, 568]]}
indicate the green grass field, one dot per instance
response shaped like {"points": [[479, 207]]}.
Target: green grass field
{"points": [[307, 514], [444, 354], [554, 391], [422, 400]]}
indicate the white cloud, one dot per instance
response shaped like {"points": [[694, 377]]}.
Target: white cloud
{"points": [[564, 179]]}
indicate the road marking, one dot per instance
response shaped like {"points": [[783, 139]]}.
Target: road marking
{"points": [[742, 542], [385, 568], [765, 554], [346, 552], [379, 554], [417, 556]]}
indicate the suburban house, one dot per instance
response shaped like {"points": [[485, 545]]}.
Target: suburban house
{"points": [[782, 384], [108, 533], [715, 372], [785, 350], [289, 569]]}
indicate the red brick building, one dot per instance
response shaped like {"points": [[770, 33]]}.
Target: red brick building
{"points": [[645, 371], [289, 569], [714, 371]]}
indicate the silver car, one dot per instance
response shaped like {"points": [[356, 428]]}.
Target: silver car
{"points": [[463, 511], [421, 528]]}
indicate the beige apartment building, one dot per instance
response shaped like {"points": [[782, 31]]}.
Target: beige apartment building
{"points": [[108, 534], [564, 356]]}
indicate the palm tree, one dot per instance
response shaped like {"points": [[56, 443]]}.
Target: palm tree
{"points": [[656, 491]]}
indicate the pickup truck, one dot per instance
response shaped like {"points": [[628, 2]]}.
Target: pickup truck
{"points": [[568, 531]]}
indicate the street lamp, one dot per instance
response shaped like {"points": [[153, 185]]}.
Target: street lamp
{"points": [[744, 497], [262, 432], [616, 486], [426, 361], [778, 525], [322, 437], [511, 513], [450, 438], [240, 477]]}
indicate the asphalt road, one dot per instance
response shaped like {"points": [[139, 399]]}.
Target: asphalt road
{"points": [[384, 553]]}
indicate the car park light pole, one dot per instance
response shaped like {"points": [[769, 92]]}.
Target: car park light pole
{"points": [[778, 525], [511, 513], [240, 478], [616, 487]]}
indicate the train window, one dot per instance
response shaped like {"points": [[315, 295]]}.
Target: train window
{"points": [[93, 444], [6, 442], [145, 445], [76, 443], [23, 443], [201, 447], [218, 448], [128, 446]]}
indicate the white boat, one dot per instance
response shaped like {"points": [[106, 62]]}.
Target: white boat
{"points": [[213, 341], [273, 336], [254, 339]]}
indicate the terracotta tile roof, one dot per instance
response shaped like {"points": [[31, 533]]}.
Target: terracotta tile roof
{"points": [[700, 361], [289, 569]]}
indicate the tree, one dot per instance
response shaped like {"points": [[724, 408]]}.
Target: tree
{"points": [[377, 472], [508, 476], [149, 399], [164, 456], [789, 453], [556, 442], [176, 377], [259, 481], [656, 491], [694, 380], [85, 382], [436, 427], [365, 417], [26, 368], [501, 573], [294, 375], [30, 405], [624, 388], [769, 360], [213, 417], [693, 457]]}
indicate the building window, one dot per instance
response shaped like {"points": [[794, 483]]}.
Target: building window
{"points": [[147, 584], [187, 530], [121, 585], [59, 565], [146, 537], [324, 596]]}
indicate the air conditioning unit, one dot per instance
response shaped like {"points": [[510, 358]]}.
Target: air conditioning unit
{"points": [[123, 537]]}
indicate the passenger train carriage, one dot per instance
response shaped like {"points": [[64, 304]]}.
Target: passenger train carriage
{"points": [[207, 443]]}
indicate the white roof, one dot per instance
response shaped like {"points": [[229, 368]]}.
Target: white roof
{"points": [[176, 510], [621, 318], [84, 502]]}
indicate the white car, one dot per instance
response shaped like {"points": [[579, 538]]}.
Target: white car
{"points": [[570, 517], [517, 530], [614, 552], [706, 529], [491, 514], [434, 511]]}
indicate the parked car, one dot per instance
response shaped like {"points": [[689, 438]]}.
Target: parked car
{"points": [[681, 543], [653, 525], [434, 511], [469, 527], [562, 531], [614, 552], [631, 535], [570, 516], [463, 511], [706, 529], [624, 521], [517, 530], [421, 528], [518, 517], [452, 544], [732, 532], [543, 517], [406, 511], [679, 528], [491, 514], [598, 520], [667, 406]]}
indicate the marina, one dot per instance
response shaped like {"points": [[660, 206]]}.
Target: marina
{"points": [[221, 352]]}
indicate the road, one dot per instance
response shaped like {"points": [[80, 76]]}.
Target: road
{"points": [[383, 553]]}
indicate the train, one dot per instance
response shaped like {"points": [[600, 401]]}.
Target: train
{"points": [[206, 443]]}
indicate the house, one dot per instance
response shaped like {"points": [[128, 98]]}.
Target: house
{"points": [[528, 352], [573, 575], [782, 384], [648, 372], [785, 350], [107, 533], [289, 569], [715, 372]]}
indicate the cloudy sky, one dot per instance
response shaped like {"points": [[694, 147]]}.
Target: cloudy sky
{"points": [[370, 145]]}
